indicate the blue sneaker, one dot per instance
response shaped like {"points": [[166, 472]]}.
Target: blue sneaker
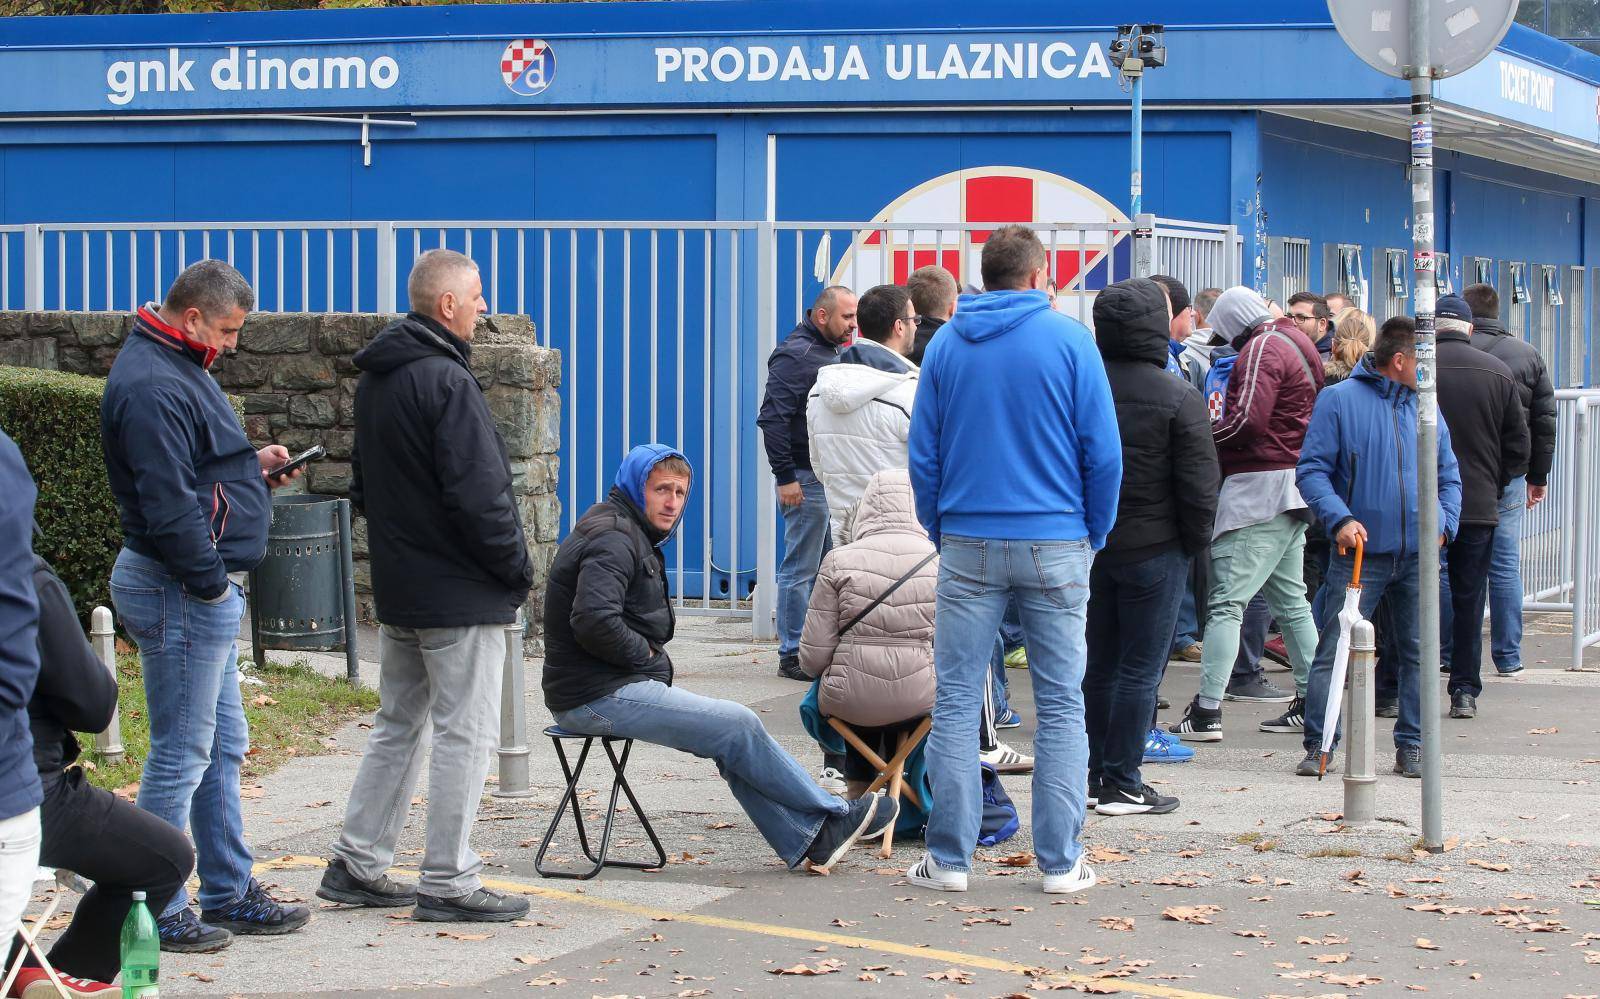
{"points": [[1159, 747], [1009, 720]]}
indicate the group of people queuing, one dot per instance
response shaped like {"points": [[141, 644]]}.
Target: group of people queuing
{"points": [[971, 482]]}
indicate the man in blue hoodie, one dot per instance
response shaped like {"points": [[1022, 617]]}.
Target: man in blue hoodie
{"points": [[608, 619], [195, 502], [1358, 472], [1018, 497]]}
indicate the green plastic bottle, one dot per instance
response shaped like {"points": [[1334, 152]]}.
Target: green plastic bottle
{"points": [[141, 952]]}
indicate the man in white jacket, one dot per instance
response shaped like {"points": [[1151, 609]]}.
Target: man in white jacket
{"points": [[859, 412]]}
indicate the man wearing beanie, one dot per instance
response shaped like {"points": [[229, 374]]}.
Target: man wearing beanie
{"points": [[1258, 543], [1478, 400]]}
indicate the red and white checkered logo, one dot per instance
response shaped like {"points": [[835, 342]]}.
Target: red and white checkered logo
{"points": [[528, 66]]}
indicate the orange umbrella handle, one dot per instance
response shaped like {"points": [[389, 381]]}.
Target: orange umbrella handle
{"points": [[1355, 575]]}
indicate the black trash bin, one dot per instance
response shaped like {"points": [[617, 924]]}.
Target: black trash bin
{"points": [[303, 594]]}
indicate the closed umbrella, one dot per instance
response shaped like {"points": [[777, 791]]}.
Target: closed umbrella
{"points": [[1348, 616]]}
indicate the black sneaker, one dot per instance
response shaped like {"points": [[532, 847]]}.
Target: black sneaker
{"points": [[1162, 703], [184, 933], [789, 669], [1145, 801], [1388, 707], [1293, 718], [883, 816], [258, 913], [1257, 689], [1094, 792], [1311, 766], [482, 906], [839, 832], [1199, 724], [1408, 761], [339, 885], [1463, 705]]}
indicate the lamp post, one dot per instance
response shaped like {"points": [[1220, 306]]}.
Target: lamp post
{"points": [[1138, 47]]}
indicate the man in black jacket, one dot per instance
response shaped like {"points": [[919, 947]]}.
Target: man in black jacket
{"points": [[791, 373], [933, 295], [19, 669], [1165, 513], [1478, 400], [608, 619], [93, 833], [1538, 399], [450, 569], [194, 498]]}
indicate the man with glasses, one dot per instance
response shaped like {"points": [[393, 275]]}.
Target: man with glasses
{"points": [[1310, 314]]}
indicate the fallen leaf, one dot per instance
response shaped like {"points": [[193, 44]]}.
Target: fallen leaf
{"points": [[825, 967], [721, 825], [1190, 913], [1423, 943], [1124, 923], [1106, 855], [1330, 958], [955, 975], [650, 938], [1351, 980], [453, 935], [262, 701], [1316, 914], [1486, 865], [1023, 859], [1249, 933], [529, 959], [1552, 730]]}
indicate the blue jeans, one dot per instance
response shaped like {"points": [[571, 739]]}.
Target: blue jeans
{"points": [[1050, 581], [1130, 605], [198, 737], [1188, 629], [999, 683], [1505, 578], [785, 804], [1253, 628], [1393, 580], [806, 539]]}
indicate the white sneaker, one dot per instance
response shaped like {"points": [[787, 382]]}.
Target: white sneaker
{"points": [[1006, 760], [831, 780], [1080, 877], [925, 874]]}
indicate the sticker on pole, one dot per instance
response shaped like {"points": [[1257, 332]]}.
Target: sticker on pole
{"points": [[528, 66], [1422, 133]]}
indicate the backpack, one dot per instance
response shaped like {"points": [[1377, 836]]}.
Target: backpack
{"points": [[1000, 821], [1215, 389]]}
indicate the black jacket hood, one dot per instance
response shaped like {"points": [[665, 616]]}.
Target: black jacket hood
{"points": [[1131, 322], [409, 339]]}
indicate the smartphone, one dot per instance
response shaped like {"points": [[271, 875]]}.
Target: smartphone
{"points": [[298, 461]]}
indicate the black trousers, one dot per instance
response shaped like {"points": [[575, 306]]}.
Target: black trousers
{"points": [[1467, 574], [122, 849]]}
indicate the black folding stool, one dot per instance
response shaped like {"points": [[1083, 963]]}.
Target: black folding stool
{"points": [[619, 785]]}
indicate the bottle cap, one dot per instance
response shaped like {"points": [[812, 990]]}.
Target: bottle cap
{"points": [[138, 896]]}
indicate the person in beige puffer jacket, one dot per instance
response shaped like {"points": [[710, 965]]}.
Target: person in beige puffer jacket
{"points": [[878, 677]]}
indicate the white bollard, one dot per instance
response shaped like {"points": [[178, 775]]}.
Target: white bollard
{"points": [[103, 636], [513, 770], [1360, 755]]}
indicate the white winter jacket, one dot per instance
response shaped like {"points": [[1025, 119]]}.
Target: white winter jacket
{"points": [[858, 417]]}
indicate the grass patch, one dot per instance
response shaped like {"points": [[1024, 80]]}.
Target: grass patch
{"points": [[1335, 851], [290, 713], [1245, 839]]}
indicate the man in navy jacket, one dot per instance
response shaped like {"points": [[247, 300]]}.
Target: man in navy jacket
{"points": [[1358, 471], [20, 791], [194, 498]]}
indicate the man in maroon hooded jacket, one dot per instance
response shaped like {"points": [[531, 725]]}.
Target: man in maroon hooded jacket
{"points": [[1258, 543]]}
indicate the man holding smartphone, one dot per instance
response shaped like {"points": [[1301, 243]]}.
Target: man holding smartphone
{"points": [[194, 499], [450, 568]]}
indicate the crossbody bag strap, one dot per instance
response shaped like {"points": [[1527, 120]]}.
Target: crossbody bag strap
{"points": [[886, 593]]}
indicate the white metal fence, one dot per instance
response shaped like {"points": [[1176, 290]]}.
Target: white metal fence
{"points": [[1586, 514]]}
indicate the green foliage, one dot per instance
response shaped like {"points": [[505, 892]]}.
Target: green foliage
{"points": [[55, 419]]}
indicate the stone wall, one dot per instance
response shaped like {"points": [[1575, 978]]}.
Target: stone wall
{"points": [[296, 377]]}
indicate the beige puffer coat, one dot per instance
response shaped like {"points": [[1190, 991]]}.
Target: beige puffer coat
{"points": [[881, 671]]}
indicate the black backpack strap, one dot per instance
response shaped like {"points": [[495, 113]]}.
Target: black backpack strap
{"points": [[886, 593]]}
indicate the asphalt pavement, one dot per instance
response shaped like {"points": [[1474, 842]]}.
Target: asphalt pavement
{"points": [[1255, 886]]}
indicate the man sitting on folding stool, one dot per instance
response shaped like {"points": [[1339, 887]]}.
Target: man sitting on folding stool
{"points": [[608, 620]]}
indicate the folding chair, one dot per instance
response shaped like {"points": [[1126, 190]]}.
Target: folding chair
{"points": [[892, 772], [65, 881], [619, 786]]}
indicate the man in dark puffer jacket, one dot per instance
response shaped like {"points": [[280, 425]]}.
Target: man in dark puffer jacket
{"points": [[608, 618], [1164, 518]]}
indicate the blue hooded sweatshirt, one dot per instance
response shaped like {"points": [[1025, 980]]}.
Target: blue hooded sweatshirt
{"points": [[1359, 461], [635, 471], [1014, 434]]}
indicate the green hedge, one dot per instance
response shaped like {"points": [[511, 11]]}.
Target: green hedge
{"points": [[55, 419]]}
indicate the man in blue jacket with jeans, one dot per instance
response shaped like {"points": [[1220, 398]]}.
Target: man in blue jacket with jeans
{"points": [[1018, 497], [1358, 472], [195, 504]]}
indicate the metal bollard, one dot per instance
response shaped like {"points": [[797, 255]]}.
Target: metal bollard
{"points": [[1360, 774], [513, 720], [103, 636]]}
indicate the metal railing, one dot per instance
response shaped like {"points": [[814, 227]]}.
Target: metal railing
{"points": [[664, 328], [1586, 546]]}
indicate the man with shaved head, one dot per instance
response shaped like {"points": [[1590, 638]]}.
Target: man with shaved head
{"points": [[450, 568], [791, 373]]}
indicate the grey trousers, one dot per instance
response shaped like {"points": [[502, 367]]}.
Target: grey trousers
{"points": [[450, 677]]}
